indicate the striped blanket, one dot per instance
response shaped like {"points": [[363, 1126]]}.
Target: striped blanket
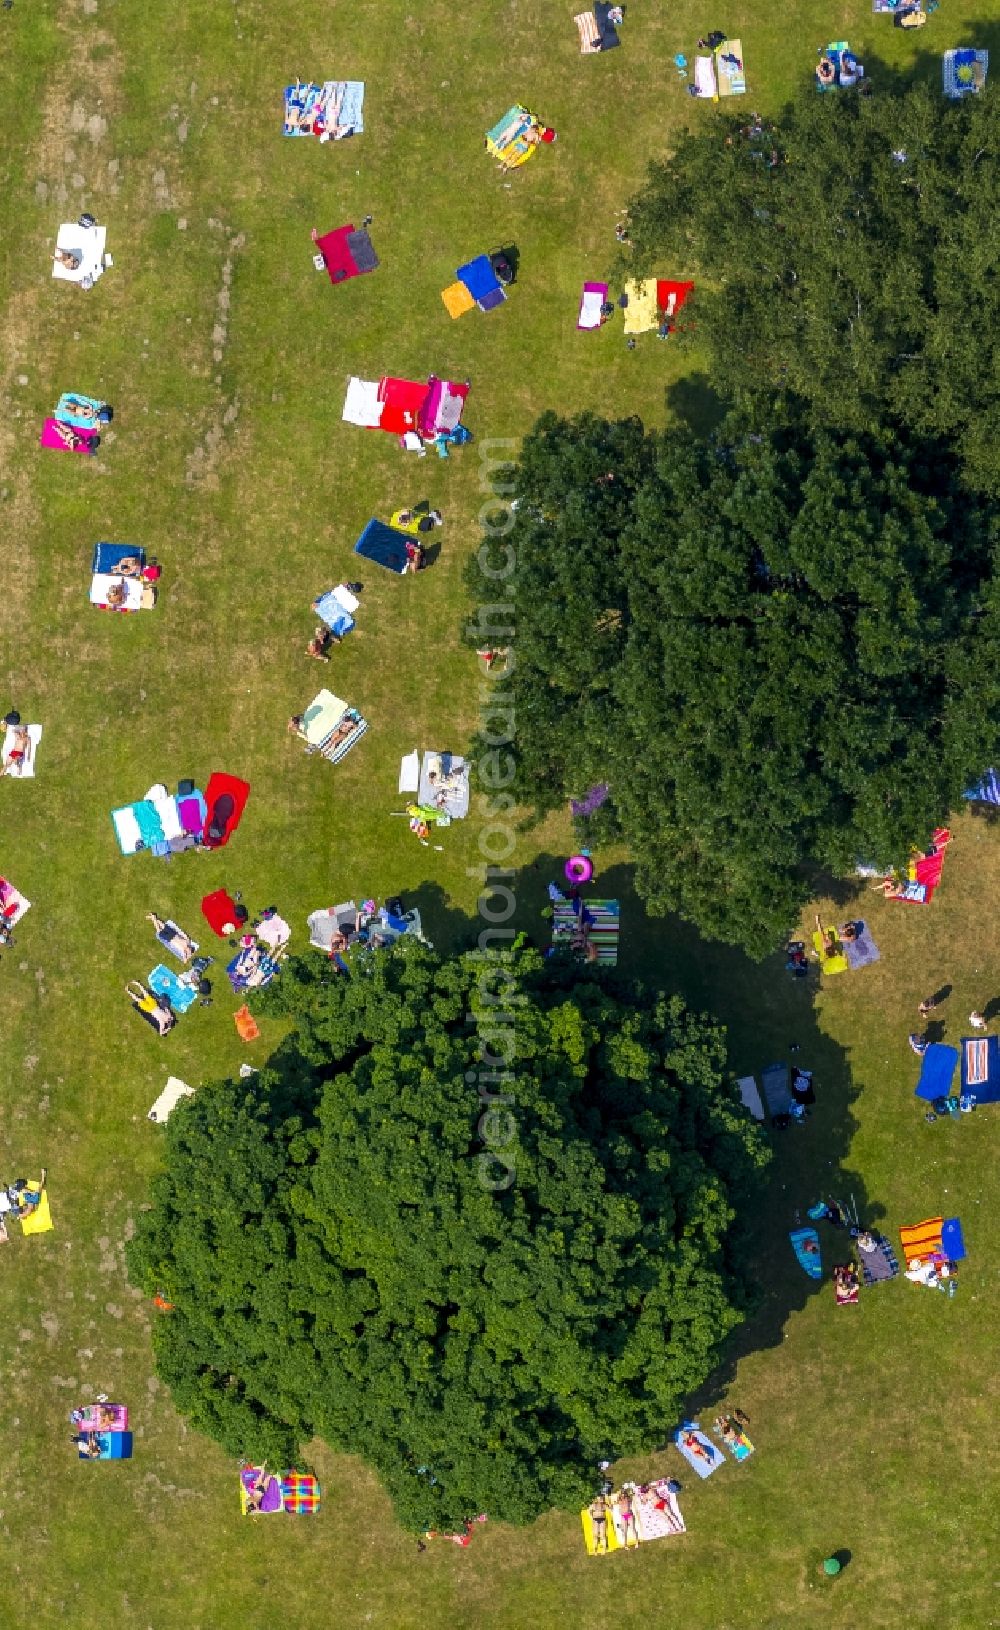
{"points": [[923, 1241], [602, 921]]}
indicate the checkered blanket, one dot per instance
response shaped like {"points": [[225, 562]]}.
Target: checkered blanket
{"points": [[300, 1493]]}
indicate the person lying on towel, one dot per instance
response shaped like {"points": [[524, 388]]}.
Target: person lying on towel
{"points": [[72, 438], [19, 752], [598, 1509], [174, 938]]}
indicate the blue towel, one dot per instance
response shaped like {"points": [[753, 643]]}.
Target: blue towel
{"points": [[987, 791], [809, 1260], [149, 823], [937, 1071], [337, 620], [479, 277], [384, 545], [352, 106], [952, 1243], [703, 1467], [164, 982], [66, 410]]}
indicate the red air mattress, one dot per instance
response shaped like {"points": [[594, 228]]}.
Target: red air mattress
{"points": [[219, 911]]}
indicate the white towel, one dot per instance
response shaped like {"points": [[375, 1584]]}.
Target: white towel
{"points": [[166, 809], [127, 829], [275, 932], [87, 243], [101, 582], [409, 771], [169, 1098], [26, 769]]}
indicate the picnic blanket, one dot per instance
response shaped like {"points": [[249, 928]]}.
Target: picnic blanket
{"points": [[444, 784], [13, 905], [591, 305], [981, 1068], [805, 1244], [750, 1096], [641, 313], [382, 544], [704, 1463], [937, 1071], [24, 769], [878, 1264], [88, 244], [777, 1090], [590, 34], [325, 924], [168, 1100], [657, 1513], [247, 1027], [87, 441], [729, 68], [861, 951], [347, 252], [300, 1493], [179, 992], [963, 72], [330, 111]]}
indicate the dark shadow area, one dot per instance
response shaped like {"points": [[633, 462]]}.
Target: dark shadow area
{"points": [[984, 812], [934, 1031], [822, 885], [696, 404], [992, 1009], [769, 1017], [506, 263], [446, 926], [431, 553], [938, 35]]}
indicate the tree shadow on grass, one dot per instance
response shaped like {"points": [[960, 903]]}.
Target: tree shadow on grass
{"points": [[696, 404], [769, 1017]]}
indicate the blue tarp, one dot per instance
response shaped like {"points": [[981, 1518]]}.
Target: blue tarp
{"points": [[988, 790], [937, 1071], [982, 1083], [108, 555], [384, 545], [777, 1091]]}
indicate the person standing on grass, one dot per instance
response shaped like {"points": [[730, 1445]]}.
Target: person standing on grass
{"points": [[918, 1043], [977, 1020], [927, 1006]]}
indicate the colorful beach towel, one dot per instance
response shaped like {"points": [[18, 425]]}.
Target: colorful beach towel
{"points": [[729, 68], [657, 1512], [700, 1452], [300, 1493], [179, 993], [805, 1244], [271, 1501], [40, 1220], [924, 1241], [13, 905], [330, 111], [830, 960]]}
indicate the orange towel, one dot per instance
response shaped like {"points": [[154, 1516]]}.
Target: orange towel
{"points": [[246, 1024], [457, 299], [923, 1240]]}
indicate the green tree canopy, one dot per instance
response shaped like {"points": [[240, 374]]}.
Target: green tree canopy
{"points": [[479, 1308], [779, 649], [846, 257]]}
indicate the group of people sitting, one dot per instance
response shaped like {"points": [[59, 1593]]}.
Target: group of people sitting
{"points": [[20, 1199], [86, 1442], [130, 566]]}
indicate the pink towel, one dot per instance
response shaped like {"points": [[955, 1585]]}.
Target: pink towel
{"points": [[50, 437]]}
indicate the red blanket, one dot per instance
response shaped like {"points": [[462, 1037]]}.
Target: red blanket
{"points": [[219, 911], [226, 797]]}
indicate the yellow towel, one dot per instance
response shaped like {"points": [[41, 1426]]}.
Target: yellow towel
{"points": [[457, 299], [640, 313], [40, 1220]]}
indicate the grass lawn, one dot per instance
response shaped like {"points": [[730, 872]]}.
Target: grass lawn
{"points": [[226, 358]]}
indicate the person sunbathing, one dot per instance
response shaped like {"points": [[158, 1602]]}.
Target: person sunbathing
{"points": [[415, 558], [255, 1493], [19, 752], [82, 409], [627, 1515], [129, 566], [116, 594], [344, 729], [87, 1445], [63, 257], [694, 1446], [826, 72], [70, 438], [598, 1509], [172, 937]]}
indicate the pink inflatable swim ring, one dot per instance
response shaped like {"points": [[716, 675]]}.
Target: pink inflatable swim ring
{"points": [[579, 869]]}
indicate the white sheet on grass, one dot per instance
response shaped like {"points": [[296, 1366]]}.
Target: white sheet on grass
{"points": [[88, 243]]}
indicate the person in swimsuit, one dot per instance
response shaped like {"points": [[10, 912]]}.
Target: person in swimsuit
{"points": [[598, 1509]]}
